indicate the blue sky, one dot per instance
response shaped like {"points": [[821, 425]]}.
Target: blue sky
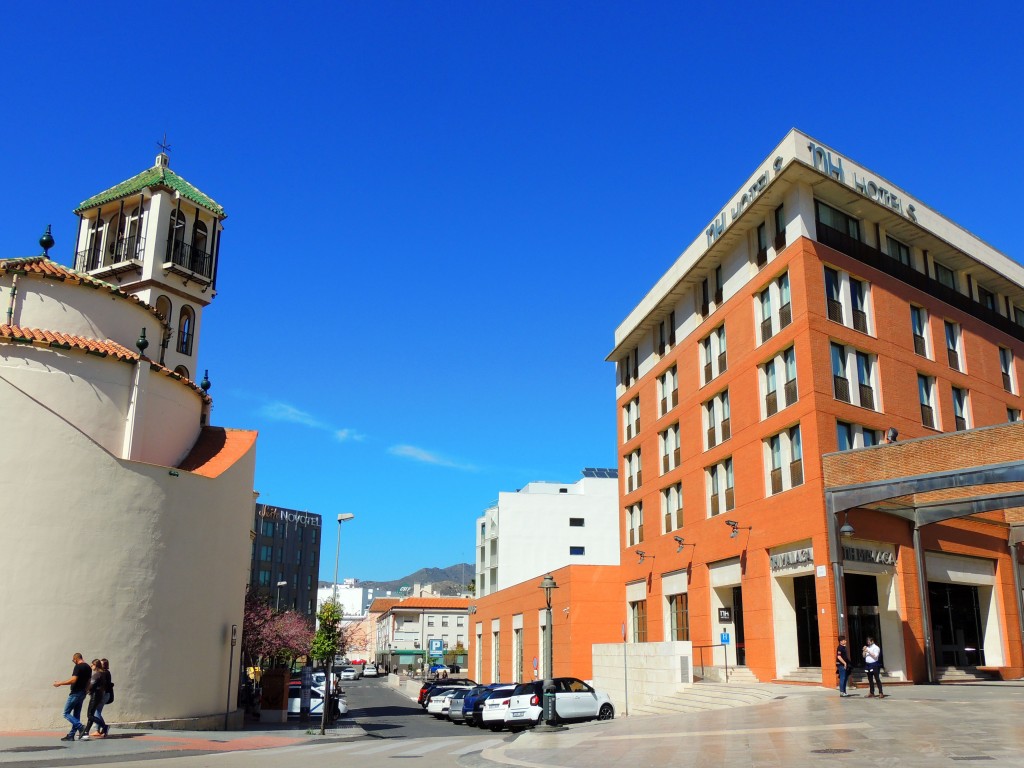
{"points": [[439, 212]]}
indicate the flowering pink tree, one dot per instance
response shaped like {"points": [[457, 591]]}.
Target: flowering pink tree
{"points": [[267, 634]]}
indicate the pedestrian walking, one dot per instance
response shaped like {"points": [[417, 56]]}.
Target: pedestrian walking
{"points": [[843, 664], [79, 682], [97, 699], [110, 692], [873, 665]]}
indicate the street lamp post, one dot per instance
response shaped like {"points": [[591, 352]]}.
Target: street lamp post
{"points": [[547, 585], [279, 585], [337, 552]]}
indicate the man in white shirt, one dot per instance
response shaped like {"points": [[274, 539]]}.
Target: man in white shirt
{"points": [[872, 665]]}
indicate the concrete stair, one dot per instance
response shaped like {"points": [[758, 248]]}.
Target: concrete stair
{"points": [[706, 696], [963, 675], [735, 675], [802, 676]]}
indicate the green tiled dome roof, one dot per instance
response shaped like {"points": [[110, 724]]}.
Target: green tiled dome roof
{"points": [[157, 176]]}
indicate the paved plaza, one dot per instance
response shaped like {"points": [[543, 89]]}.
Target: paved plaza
{"points": [[926, 726]]}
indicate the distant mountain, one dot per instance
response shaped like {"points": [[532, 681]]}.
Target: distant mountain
{"points": [[445, 581]]}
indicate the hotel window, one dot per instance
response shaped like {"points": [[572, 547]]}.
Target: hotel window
{"points": [[576, 522], [864, 394], [668, 391], [865, 380], [774, 297], [782, 367], [945, 276], [719, 285], [705, 297], [720, 489], [859, 303], [919, 325], [679, 617], [635, 524], [961, 410], [1012, 414], [717, 422], [186, 330], [634, 475], [926, 394], [850, 436], [669, 440], [1018, 315], [264, 579], [631, 419], [638, 620], [762, 244], [495, 647], [667, 333], [629, 368], [897, 250], [714, 356], [986, 298], [672, 507], [780, 229], [783, 454], [267, 529], [1006, 365], [840, 381], [836, 219], [266, 553], [577, 551], [953, 349]]}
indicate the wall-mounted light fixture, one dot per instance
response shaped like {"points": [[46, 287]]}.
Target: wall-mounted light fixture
{"points": [[682, 543], [644, 556], [736, 528]]}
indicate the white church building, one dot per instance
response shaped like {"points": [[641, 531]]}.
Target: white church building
{"points": [[128, 515]]}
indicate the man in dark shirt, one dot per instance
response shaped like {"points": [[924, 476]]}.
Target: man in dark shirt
{"points": [[79, 682]]}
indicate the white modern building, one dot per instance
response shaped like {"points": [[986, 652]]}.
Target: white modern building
{"points": [[353, 599], [130, 515], [545, 526]]}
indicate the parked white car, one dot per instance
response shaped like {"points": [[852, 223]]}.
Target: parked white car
{"points": [[370, 671], [495, 706], [440, 702], [316, 702], [574, 700]]}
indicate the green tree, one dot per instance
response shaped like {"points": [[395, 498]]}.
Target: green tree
{"points": [[328, 642]]}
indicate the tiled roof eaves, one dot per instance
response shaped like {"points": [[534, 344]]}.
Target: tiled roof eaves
{"points": [[40, 266], [154, 177], [15, 334]]}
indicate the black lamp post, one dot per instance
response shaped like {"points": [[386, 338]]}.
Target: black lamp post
{"points": [[547, 585]]}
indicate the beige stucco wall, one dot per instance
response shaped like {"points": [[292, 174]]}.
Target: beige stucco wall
{"points": [[118, 559], [93, 394]]}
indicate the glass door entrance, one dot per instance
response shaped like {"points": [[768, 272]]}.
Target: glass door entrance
{"points": [[956, 625], [737, 612], [806, 603], [862, 614]]}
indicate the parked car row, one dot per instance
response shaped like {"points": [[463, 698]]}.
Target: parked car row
{"points": [[514, 706]]}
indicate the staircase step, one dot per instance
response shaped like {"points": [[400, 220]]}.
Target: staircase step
{"points": [[704, 697]]}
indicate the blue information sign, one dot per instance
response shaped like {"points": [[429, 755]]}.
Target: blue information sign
{"points": [[436, 645], [724, 638]]}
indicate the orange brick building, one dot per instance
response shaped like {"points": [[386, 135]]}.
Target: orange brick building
{"points": [[822, 307]]}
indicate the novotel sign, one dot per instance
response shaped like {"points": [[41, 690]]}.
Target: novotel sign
{"points": [[288, 515]]}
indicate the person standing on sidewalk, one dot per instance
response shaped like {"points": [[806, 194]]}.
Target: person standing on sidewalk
{"points": [[843, 665], [872, 665], [79, 682], [97, 698]]}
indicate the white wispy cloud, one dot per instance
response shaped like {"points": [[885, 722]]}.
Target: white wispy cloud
{"points": [[278, 411], [428, 457]]}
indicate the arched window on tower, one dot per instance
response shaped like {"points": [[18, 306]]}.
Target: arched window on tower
{"points": [[132, 244], [175, 237], [186, 328], [181, 370], [95, 245], [200, 258], [115, 234], [163, 308]]}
